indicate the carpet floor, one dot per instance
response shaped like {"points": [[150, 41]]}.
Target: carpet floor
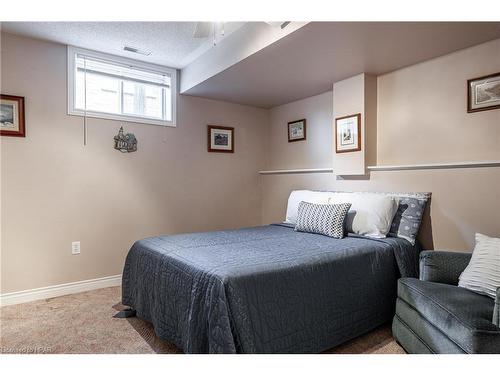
{"points": [[84, 323]]}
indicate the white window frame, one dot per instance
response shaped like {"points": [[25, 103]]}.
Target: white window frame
{"points": [[73, 51]]}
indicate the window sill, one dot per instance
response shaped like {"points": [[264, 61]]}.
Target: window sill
{"points": [[125, 118]]}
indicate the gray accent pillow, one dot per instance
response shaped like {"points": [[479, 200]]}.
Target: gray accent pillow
{"points": [[327, 219], [408, 217]]}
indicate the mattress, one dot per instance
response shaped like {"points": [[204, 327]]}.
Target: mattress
{"points": [[264, 289]]}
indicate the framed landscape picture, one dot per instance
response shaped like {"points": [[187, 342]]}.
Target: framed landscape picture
{"points": [[348, 133], [297, 130], [220, 138], [12, 116], [483, 93]]}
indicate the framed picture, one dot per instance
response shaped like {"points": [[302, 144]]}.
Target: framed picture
{"points": [[297, 130], [12, 116], [483, 93], [348, 133], [220, 138]]}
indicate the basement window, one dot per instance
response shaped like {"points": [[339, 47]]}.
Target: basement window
{"points": [[112, 87]]}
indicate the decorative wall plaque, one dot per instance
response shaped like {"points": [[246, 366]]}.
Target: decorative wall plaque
{"points": [[125, 142]]}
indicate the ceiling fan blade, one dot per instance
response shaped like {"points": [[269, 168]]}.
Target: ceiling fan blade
{"points": [[202, 30], [281, 24]]}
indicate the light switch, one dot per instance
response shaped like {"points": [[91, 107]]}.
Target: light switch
{"points": [[75, 247]]}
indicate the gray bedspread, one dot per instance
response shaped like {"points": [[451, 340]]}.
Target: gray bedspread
{"points": [[265, 289]]}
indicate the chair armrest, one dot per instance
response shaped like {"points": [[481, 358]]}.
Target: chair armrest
{"points": [[496, 311], [443, 266]]}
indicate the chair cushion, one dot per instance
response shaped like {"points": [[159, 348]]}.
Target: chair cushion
{"points": [[463, 316]]}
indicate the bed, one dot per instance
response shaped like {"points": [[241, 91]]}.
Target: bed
{"points": [[264, 289]]}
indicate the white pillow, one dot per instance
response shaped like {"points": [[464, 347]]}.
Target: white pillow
{"points": [[370, 215], [482, 275], [309, 196]]}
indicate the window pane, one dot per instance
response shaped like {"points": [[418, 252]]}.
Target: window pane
{"points": [[103, 93], [79, 87], [122, 90], [168, 104], [153, 104], [140, 99], [128, 97]]}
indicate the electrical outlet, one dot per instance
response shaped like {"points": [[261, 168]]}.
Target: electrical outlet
{"points": [[75, 247]]}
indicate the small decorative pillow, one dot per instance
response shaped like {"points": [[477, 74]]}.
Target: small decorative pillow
{"points": [[327, 219], [482, 275], [407, 219]]}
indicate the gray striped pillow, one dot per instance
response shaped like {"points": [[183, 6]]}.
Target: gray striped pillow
{"points": [[482, 275], [327, 219]]}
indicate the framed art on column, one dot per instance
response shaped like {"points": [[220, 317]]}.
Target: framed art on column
{"points": [[348, 133]]}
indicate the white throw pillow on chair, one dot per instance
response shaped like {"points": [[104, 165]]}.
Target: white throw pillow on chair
{"points": [[482, 275]]}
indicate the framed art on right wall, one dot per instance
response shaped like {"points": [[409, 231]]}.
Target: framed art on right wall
{"points": [[348, 133], [483, 93]]}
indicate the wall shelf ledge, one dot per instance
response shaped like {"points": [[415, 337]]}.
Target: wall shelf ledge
{"points": [[408, 167], [465, 164], [295, 171]]}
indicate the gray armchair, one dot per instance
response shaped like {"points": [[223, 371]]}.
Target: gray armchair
{"points": [[443, 266], [434, 315], [496, 310]]}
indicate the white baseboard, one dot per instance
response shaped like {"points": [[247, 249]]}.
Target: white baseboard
{"points": [[23, 296]]}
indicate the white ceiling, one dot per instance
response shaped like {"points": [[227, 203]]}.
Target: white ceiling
{"points": [[171, 43], [308, 61]]}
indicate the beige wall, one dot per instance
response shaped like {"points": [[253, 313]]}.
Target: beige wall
{"points": [[55, 190], [316, 150], [421, 118], [422, 115]]}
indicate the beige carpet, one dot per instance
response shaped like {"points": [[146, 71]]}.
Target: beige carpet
{"points": [[84, 323]]}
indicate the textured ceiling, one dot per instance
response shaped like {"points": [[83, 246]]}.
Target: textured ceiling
{"points": [[301, 64], [308, 61], [171, 43]]}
